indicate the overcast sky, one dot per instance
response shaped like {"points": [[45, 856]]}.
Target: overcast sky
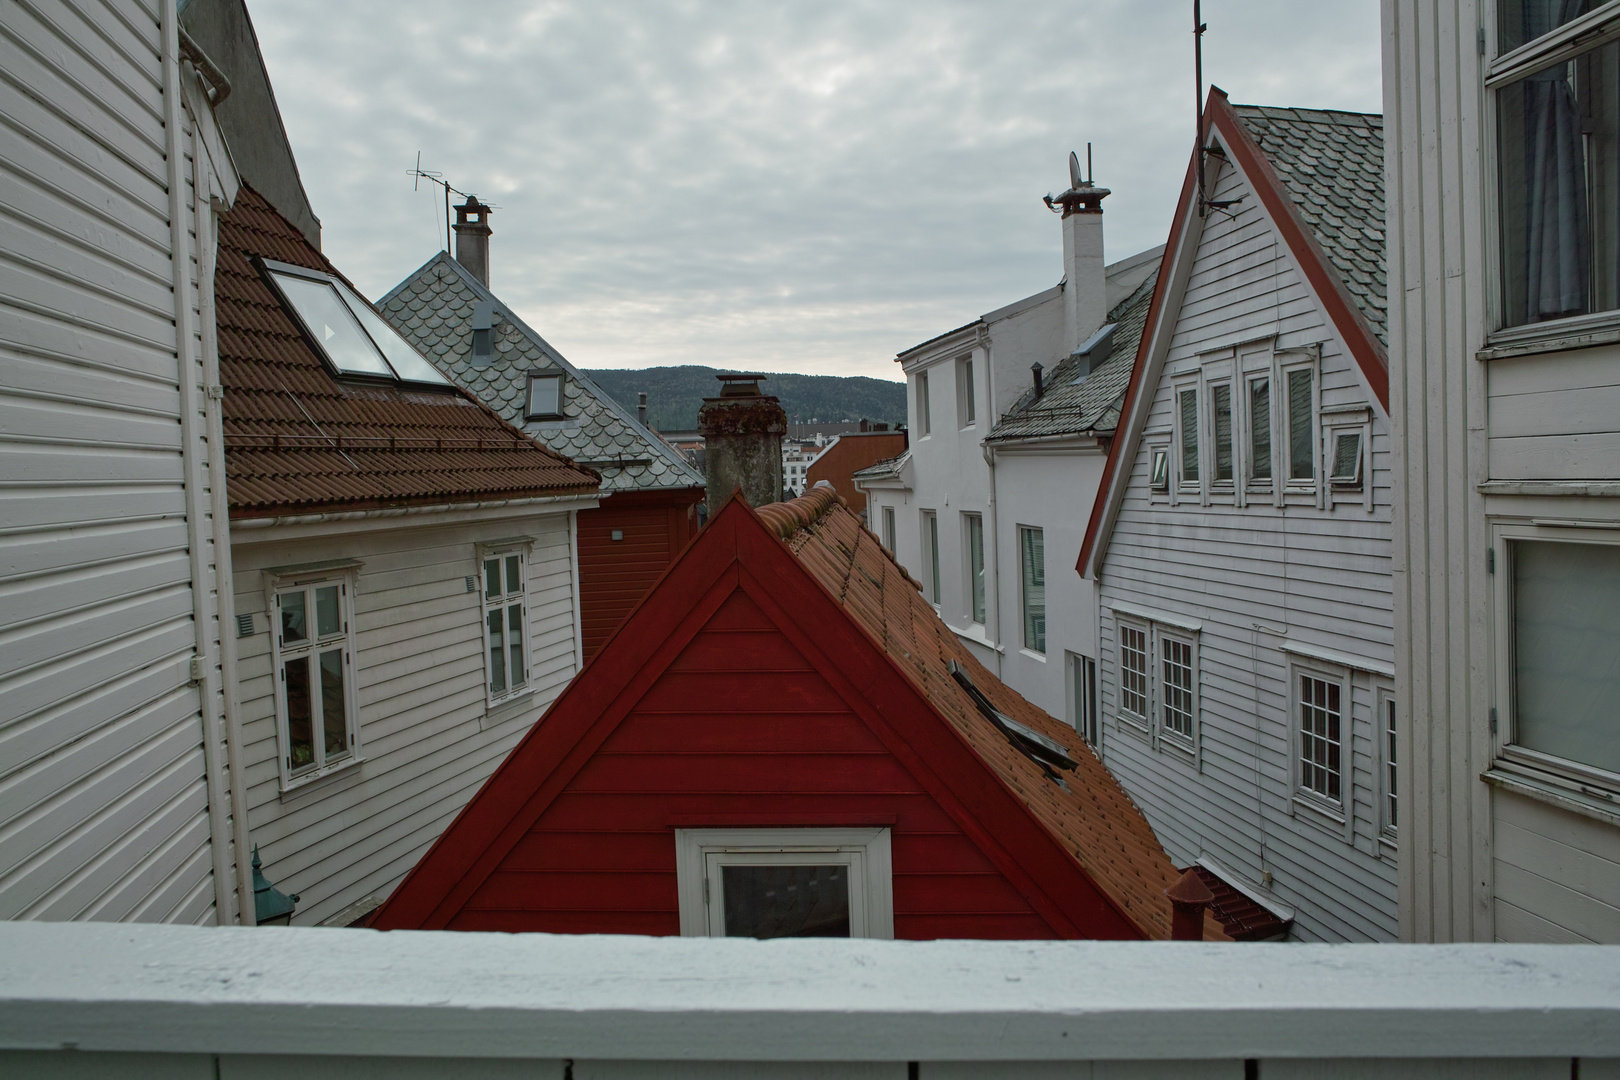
{"points": [[784, 186]]}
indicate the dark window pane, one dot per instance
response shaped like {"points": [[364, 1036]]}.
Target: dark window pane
{"points": [[1032, 557], [333, 707], [1519, 22], [492, 578], [497, 653], [514, 574], [1189, 435], [514, 642], [545, 395], [294, 619], [1223, 432], [1260, 429], [786, 901], [300, 714], [328, 613], [1301, 437]]}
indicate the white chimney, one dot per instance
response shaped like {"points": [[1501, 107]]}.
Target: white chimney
{"points": [[1085, 289]]}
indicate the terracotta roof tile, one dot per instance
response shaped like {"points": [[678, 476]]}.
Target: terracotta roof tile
{"points": [[297, 439], [1094, 818]]}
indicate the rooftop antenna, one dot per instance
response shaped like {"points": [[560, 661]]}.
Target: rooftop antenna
{"points": [[1204, 202], [438, 178]]}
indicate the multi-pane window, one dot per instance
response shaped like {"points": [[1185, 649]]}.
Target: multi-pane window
{"points": [[1321, 717], [1387, 737], [888, 528], [974, 524], [966, 404], [1221, 406], [1032, 571], [1083, 680], [925, 419], [314, 660], [505, 626], [1187, 401], [1558, 163], [930, 545], [1177, 672], [1301, 425], [1133, 670], [1260, 429]]}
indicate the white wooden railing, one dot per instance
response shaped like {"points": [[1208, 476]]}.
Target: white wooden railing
{"points": [[118, 1000]]}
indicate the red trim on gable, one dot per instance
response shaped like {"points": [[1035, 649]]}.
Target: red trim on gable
{"points": [[1325, 281]]}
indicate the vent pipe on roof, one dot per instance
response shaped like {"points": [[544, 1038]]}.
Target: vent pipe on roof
{"points": [[472, 238], [641, 408], [1188, 899], [1036, 369]]}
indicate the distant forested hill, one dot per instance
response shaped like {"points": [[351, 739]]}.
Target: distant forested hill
{"points": [[675, 393]]}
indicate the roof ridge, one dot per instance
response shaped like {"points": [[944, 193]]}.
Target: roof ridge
{"points": [[789, 517]]}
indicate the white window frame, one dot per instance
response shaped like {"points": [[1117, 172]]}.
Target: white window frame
{"points": [[1157, 683], [969, 573], [1251, 367], [966, 399], [1590, 31], [928, 525], [1388, 762], [1583, 783], [1023, 595], [521, 547], [701, 853], [1337, 810], [1082, 687], [1286, 361], [1139, 722], [277, 586], [1215, 379], [1158, 489], [1180, 487], [889, 529], [925, 412]]}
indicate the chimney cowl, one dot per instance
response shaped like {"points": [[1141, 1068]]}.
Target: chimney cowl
{"points": [[472, 238], [1036, 369]]}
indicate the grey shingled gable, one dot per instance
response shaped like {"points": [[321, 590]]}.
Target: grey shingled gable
{"points": [[1070, 402], [433, 308], [1333, 166]]}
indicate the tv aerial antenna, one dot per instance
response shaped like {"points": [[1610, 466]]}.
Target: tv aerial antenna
{"points": [[431, 177], [1201, 147]]}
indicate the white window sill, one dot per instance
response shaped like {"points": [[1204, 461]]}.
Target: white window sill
{"points": [[1136, 727], [1178, 746], [976, 634], [1033, 655], [506, 709], [1555, 791], [303, 781], [1319, 809], [1557, 335]]}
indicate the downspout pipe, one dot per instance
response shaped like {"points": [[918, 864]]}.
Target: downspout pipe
{"points": [[224, 574], [202, 668]]}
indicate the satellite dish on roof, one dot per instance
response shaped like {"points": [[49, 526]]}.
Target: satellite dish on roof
{"points": [[1074, 169]]}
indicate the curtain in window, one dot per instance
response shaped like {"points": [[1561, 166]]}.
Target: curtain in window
{"points": [[1557, 245]]}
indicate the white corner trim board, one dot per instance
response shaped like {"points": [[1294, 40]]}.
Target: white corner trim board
{"points": [[239, 990]]}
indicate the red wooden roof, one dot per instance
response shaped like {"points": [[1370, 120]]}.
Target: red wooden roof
{"points": [[298, 439], [776, 637]]}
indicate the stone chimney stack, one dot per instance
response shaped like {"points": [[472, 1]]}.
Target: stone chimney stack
{"points": [[742, 439], [472, 238], [1085, 289]]}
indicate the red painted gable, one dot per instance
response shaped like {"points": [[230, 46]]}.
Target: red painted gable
{"points": [[653, 527], [740, 693]]}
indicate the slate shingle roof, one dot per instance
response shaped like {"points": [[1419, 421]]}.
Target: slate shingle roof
{"points": [[298, 439], [433, 309], [1333, 166], [1071, 402], [1092, 816]]}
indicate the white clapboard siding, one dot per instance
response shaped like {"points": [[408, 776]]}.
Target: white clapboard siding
{"points": [[1255, 578], [103, 782], [428, 738]]}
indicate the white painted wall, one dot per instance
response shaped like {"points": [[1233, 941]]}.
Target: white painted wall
{"points": [[173, 1001], [108, 768], [1493, 432], [1258, 579], [427, 736]]}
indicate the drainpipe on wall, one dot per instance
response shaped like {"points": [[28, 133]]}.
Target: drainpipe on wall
{"points": [[203, 669]]}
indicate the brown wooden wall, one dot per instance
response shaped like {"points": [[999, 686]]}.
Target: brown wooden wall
{"points": [[741, 729], [615, 574]]}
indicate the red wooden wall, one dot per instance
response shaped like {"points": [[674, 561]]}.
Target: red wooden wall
{"points": [[739, 730], [615, 574]]}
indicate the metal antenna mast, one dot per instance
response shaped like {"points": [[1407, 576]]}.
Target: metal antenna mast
{"points": [[438, 178], [1199, 26]]}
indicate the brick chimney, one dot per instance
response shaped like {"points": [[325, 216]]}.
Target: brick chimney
{"points": [[472, 238], [742, 439], [1085, 289]]}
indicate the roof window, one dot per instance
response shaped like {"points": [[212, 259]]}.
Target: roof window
{"points": [[346, 330], [1045, 752]]}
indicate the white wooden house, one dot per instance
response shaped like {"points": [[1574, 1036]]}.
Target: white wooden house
{"points": [[114, 794], [1504, 226], [406, 592], [968, 509], [1241, 537]]}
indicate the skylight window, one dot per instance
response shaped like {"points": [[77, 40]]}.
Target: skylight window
{"points": [[350, 334], [1044, 751]]}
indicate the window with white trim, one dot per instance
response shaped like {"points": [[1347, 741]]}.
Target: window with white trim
{"points": [[1558, 158], [966, 404], [1259, 425], [1187, 436], [925, 416], [888, 528], [317, 720], [1300, 401], [1032, 576], [1133, 671], [777, 883], [1159, 471], [1389, 815], [1320, 713], [1220, 406], [1178, 683], [930, 554], [506, 625], [973, 548]]}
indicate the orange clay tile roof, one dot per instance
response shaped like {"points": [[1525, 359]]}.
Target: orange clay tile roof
{"points": [[299, 440], [1095, 820]]}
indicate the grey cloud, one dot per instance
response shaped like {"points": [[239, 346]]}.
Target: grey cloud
{"points": [[791, 186]]}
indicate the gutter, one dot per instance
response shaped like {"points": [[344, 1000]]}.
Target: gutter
{"points": [[328, 517]]}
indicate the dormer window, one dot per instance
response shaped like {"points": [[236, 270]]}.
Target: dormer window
{"points": [[1346, 459], [545, 396], [346, 330]]}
